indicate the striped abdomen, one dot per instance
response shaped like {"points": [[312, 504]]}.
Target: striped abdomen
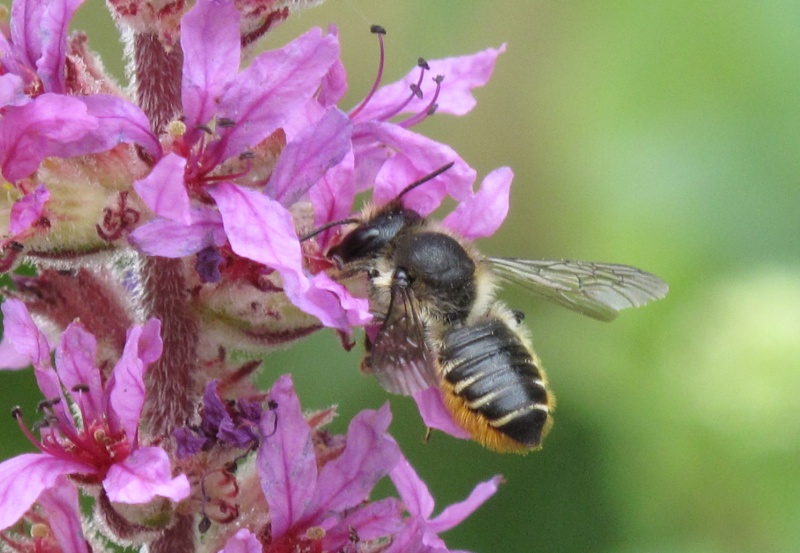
{"points": [[493, 387]]}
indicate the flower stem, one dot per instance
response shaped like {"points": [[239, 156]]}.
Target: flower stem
{"points": [[170, 384]]}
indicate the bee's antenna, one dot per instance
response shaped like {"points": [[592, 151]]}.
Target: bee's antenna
{"points": [[325, 227], [425, 179]]}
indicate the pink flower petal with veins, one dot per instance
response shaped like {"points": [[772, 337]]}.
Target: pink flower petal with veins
{"points": [[286, 462], [482, 215], [372, 520], [334, 84], [31, 132], [168, 238], [435, 415], [39, 33], [164, 189], [412, 156], [272, 87], [23, 343], [75, 359], [12, 90], [368, 456], [454, 514], [125, 388], [24, 477], [413, 491], [63, 514], [211, 57], [145, 474], [261, 229], [302, 163]]}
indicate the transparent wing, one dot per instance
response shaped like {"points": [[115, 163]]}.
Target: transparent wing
{"points": [[599, 290], [399, 356]]}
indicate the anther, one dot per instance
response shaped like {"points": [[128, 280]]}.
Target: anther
{"points": [[377, 30], [421, 62], [47, 404], [16, 412], [225, 122]]}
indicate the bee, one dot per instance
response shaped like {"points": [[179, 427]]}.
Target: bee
{"points": [[440, 324]]}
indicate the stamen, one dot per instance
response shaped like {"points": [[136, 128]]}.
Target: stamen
{"points": [[16, 412], [430, 110], [416, 91], [380, 31]]}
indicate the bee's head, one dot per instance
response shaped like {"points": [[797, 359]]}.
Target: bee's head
{"points": [[370, 237], [374, 232]]}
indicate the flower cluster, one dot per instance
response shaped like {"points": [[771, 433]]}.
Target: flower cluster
{"points": [[163, 234]]}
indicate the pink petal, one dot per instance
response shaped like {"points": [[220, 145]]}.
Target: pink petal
{"points": [[457, 512], [261, 229], [23, 343], [368, 456], [410, 539], [75, 359], [258, 227], [370, 521], [333, 197], [211, 50], [274, 85], [164, 190], [39, 32], [120, 121], [334, 84], [150, 343], [414, 156], [413, 491], [145, 474], [31, 132], [62, 511], [286, 462], [28, 210], [243, 541], [340, 309], [482, 215], [461, 75], [308, 157], [125, 388], [435, 415], [167, 238], [12, 89], [24, 477]]}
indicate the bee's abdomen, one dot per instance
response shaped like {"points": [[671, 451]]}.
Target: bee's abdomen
{"points": [[495, 385]]}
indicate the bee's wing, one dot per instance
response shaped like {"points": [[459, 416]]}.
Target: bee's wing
{"points": [[399, 357], [599, 290]]}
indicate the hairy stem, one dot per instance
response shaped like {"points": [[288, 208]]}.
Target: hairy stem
{"points": [[170, 385]]}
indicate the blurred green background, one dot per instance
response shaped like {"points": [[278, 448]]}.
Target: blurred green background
{"points": [[661, 134]]}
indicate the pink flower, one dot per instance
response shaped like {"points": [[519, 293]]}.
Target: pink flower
{"points": [[245, 109], [32, 58], [101, 445], [333, 498]]}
